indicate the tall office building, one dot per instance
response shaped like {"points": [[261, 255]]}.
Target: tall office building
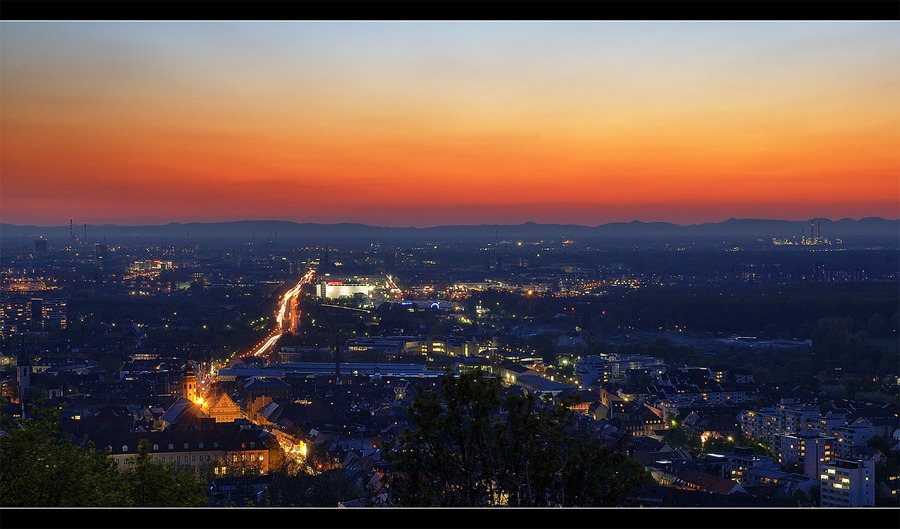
{"points": [[40, 247]]}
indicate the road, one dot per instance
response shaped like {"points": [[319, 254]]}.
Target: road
{"points": [[287, 316]]}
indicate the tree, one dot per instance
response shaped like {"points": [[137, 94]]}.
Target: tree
{"points": [[472, 446], [332, 487], [680, 436], [323, 489], [150, 484], [40, 467]]}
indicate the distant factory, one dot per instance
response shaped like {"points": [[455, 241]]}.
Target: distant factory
{"points": [[814, 239]]}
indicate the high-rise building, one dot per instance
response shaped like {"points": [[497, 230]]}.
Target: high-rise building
{"points": [[23, 373], [40, 247], [848, 436], [23, 310], [808, 449], [847, 483], [15, 313], [53, 310]]}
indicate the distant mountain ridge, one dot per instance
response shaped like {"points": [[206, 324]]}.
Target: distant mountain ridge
{"points": [[266, 230]]}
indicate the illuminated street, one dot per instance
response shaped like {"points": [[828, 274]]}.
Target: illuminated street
{"points": [[287, 316]]}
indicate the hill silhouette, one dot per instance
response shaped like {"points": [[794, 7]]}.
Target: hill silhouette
{"points": [[869, 228]]}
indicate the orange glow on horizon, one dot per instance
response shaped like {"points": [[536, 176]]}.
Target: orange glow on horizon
{"points": [[389, 138]]}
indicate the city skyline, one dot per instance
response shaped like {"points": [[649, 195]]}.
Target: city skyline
{"points": [[448, 123]]}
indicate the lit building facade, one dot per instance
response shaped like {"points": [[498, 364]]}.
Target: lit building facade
{"points": [[395, 346], [228, 451], [150, 265], [809, 449], [15, 313], [797, 417], [21, 311], [848, 436], [742, 459], [603, 368], [847, 483], [339, 289], [784, 419]]}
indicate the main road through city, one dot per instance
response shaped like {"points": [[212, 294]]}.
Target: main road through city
{"points": [[287, 316]]}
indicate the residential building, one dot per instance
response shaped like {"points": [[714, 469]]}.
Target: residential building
{"points": [[742, 459], [847, 483], [849, 436], [808, 450]]}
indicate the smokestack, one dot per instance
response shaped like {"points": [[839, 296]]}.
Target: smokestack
{"points": [[85, 232], [71, 231]]}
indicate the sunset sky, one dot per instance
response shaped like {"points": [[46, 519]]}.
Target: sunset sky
{"points": [[414, 123]]}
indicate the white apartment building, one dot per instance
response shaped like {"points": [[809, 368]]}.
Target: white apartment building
{"points": [[848, 436], [847, 483], [809, 449]]}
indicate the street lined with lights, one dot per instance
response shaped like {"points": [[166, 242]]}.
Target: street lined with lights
{"points": [[287, 316]]}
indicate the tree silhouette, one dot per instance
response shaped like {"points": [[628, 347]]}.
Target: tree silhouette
{"points": [[473, 446], [41, 467]]}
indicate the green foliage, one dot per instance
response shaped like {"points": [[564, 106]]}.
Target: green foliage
{"points": [[41, 467], [840, 363], [150, 484], [278, 460], [325, 489], [737, 309], [681, 437], [472, 447], [718, 445]]}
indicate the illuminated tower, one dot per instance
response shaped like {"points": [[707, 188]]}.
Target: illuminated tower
{"points": [[189, 382]]}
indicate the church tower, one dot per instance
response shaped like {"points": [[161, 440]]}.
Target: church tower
{"points": [[189, 382]]}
